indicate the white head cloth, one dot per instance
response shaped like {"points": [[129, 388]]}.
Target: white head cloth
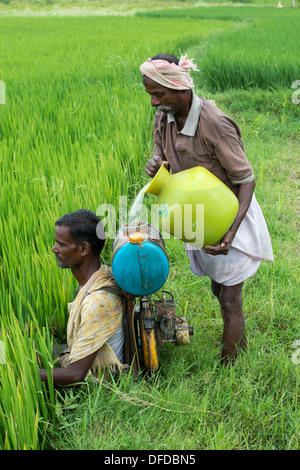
{"points": [[169, 74]]}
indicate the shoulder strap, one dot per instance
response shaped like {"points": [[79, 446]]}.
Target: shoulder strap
{"points": [[112, 290]]}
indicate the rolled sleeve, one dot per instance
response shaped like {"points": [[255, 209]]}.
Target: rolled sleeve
{"points": [[229, 150]]}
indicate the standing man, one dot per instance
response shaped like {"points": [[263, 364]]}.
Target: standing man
{"points": [[191, 131], [94, 332]]}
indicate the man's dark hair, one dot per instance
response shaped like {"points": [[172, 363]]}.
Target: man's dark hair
{"points": [[170, 58], [84, 226]]}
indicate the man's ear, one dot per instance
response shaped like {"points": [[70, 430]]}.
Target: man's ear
{"points": [[85, 248]]}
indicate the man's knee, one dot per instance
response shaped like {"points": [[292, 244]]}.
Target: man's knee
{"points": [[230, 298]]}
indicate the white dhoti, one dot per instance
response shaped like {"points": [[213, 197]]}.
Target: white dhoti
{"points": [[250, 246]]}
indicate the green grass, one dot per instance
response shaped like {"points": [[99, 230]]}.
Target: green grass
{"points": [[76, 132]]}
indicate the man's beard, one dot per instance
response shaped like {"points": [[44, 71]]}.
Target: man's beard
{"points": [[164, 109], [60, 263]]}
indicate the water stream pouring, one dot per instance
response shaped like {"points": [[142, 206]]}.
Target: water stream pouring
{"points": [[136, 210]]}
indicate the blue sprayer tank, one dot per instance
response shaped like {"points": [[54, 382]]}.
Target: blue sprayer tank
{"points": [[140, 264]]}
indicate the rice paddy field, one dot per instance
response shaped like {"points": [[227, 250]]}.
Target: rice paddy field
{"points": [[76, 132]]}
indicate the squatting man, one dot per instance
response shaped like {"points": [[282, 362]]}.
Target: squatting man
{"points": [[95, 336], [189, 131]]}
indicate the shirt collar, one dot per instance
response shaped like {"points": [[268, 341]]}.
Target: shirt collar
{"points": [[192, 119]]}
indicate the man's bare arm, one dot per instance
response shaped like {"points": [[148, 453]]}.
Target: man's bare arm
{"points": [[73, 373]]}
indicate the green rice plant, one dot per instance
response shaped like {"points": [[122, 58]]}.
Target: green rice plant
{"points": [[254, 56], [25, 405], [245, 13]]}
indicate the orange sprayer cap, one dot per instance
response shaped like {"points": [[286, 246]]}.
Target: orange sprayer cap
{"points": [[136, 238]]}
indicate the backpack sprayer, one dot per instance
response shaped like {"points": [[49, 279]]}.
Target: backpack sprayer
{"points": [[140, 266]]}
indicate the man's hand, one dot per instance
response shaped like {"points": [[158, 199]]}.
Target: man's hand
{"points": [[222, 248], [154, 164]]}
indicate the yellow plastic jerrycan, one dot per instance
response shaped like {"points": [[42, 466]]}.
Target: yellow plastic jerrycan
{"points": [[194, 205]]}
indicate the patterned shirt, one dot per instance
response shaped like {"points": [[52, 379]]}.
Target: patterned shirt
{"points": [[95, 317]]}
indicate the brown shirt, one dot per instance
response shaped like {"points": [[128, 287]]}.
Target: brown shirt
{"points": [[209, 138]]}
